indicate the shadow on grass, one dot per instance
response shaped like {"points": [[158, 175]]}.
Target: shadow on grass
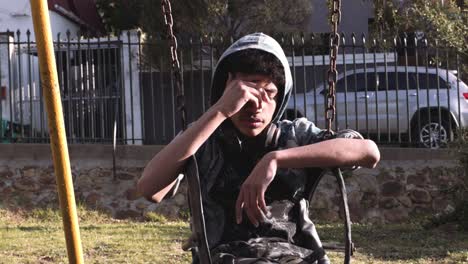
{"points": [[86, 213], [401, 242], [124, 227], [404, 243], [52, 212], [29, 228]]}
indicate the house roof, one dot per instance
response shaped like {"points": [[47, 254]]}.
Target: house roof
{"points": [[82, 12]]}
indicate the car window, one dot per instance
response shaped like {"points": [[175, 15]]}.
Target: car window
{"points": [[387, 81], [425, 81], [429, 81], [343, 85], [400, 80], [406, 80], [357, 82], [393, 81]]}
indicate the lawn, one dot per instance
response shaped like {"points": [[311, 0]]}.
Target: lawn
{"points": [[37, 237]]}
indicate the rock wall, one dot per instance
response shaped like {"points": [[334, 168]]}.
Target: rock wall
{"points": [[393, 192]]}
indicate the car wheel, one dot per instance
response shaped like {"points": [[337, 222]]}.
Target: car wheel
{"points": [[432, 134]]}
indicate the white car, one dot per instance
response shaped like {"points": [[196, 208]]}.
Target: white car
{"points": [[384, 101]]}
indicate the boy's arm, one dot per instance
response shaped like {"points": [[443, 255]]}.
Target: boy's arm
{"points": [[339, 152], [160, 173]]}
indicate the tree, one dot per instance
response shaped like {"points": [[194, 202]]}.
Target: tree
{"points": [[119, 15], [439, 21], [459, 214], [201, 17]]}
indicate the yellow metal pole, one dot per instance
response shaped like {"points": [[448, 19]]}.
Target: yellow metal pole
{"points": [[58, 138]]}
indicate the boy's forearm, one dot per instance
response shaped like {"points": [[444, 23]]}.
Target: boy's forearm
{"points": [[163, 169], [338, 152]]}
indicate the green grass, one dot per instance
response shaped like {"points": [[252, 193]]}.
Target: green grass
{"points": [[37, 237], [408, 243]]}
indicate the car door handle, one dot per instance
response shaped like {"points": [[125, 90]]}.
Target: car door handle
{"points": [[414, 94], [364, 96]]}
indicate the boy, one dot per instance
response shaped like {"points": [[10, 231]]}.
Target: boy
{"points": [[253, 167]]}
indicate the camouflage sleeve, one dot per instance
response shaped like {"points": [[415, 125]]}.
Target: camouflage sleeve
{"points": [[304, 132], [349, 133]]}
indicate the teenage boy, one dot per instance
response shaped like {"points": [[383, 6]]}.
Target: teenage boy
{"points": [[254, 168]]}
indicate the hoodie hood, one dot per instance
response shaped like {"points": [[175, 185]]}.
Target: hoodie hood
{"points": [[258, 41]]}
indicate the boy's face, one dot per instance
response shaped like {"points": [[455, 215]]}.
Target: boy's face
{"points": [[252, 120]]}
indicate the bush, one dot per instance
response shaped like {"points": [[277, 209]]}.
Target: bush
{"points": [[460, 214], [442, 25]]}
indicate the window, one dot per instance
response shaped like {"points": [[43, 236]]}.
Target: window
{"points": [[357, 82], [393, 82], [429, 81], [343, 85], [390, 78], [406, 80], [400, 80]]}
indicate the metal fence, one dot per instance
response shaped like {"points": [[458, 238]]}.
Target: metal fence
{"points": [[398, 92]]}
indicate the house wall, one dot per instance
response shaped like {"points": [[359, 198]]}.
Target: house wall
{"points": [[354, 18], [5, 53], [19, 73], [16, 15], [406, 183]]}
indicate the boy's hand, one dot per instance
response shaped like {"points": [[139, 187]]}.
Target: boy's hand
{"points": [[237, 94], [252, 194]]}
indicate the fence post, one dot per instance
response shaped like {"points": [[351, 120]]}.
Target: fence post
{"points": [[5, 82], [130, 73]]}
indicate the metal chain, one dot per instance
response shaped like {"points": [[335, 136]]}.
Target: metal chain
{"points": [[191, 171], [167, 13], [330, 111]]}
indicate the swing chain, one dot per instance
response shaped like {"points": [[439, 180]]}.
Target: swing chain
{"points": [[168, 21], [330, 111]]}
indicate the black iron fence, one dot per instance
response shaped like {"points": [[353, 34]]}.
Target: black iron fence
{"points": [[398, 92], [90, 79]]}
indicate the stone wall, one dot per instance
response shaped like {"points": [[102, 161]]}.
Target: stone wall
{"points": [[406, 182], [392, 192]]}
